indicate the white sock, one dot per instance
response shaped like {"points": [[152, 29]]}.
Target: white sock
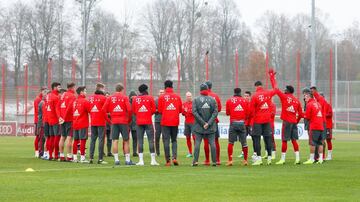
{"points": [[320, 156], [127, 157], [329, 153], [312, 156], [283, 156], [83, 157], [68, 155], [62, 155], [273, 153], [116, 157], [75, 157], [141, 157], [152, 157], [297, 155], [37, 153]]}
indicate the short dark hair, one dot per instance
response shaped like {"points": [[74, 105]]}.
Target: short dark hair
{"points": [[209, 84], [237, 91], [168, 84], [99, 85], [70, 85], [54, 85], [143, 88], [307, 91], [258, 83], [80, 89], [289, 89], [119, 87], [248, 92], [62, 91], [313, 88]]}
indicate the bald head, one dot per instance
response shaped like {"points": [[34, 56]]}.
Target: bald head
{"points": [[188, 96], [161, 91]]}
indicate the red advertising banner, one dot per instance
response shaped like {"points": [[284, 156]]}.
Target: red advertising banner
{"points": [[26, 129], [7, 128]]}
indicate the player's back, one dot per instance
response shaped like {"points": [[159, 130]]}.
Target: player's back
{"points": [[118, 106], [96, 103], [237, 108], [170, 106], [143, 107]]}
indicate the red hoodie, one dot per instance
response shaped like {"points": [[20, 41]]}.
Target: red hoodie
{"points": [[170, 106], [291, 110], [118, 106], [314, 115], [36, 107], [218, 102], [329, 116], [52, 108], [65, 105], [321, 100], [249, 121], [143, 107], [237, 108], [97, 115], [44, 109], [260, 106], [187, 112], [81, 113]]}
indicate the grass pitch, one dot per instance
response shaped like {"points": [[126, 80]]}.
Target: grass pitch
{"points": [[338, 180]]}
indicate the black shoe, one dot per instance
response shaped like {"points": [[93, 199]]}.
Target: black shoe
{"points": [[214, 164], [91, 161], [157, 154], [135, 155], [194, 164], [110, 155]]}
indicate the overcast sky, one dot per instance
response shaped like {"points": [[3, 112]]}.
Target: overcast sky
{"points": [[342, 13]]}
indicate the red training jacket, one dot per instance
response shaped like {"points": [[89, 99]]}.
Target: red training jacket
{"points": [[237, 108], [143, 107], [170, 106], [44, 109], [36, 107], [65, 105], [187, 112], [52, 108], [291, 107], [273, 113], [218, 102], [81, 113], [329, 116], [97, 116], [314, 115], [260, 105], [118, 106]]}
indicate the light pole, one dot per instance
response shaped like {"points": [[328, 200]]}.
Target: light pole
{"points": [[84, 43], [313, 44]]}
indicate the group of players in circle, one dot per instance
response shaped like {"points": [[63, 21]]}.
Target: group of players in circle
{"points": [[62, 120]]}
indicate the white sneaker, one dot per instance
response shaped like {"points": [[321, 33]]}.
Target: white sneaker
{"points": [[36, 154], [154, 163], [328, 158], [254, 157], [84, 161], [140, 163]]}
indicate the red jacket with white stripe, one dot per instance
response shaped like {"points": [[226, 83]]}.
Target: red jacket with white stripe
{"points": [[314, 115], [291, 107], [80, 113], [118, 106], [237, 108], [187, 112], [53, 113], [170, 106], [143, 107], [97, 116], [260, 106], [36, 107], [66, 105]]}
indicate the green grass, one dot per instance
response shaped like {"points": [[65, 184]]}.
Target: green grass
{"points": [[338, 180]]}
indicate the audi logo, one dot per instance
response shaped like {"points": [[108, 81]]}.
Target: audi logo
{"points": [[6, 130]]}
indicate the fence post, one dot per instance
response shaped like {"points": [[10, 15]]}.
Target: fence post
{"points": [[3, 92], [26, 90]]}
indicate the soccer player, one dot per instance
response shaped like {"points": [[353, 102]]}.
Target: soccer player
{"points": [[98, 121], [157, 119], [44, 106], [118, 106], [38, 135], [291, 114], [132, 95], [272, 124], [108, 133], [237, 108], [316, 126], [261, 111], [217, 134], [144, 107], [189, 122], [80, 124], [170, 106], [66, 117], [249, 122], [329, 126], [205, 112], [53, 115]]}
